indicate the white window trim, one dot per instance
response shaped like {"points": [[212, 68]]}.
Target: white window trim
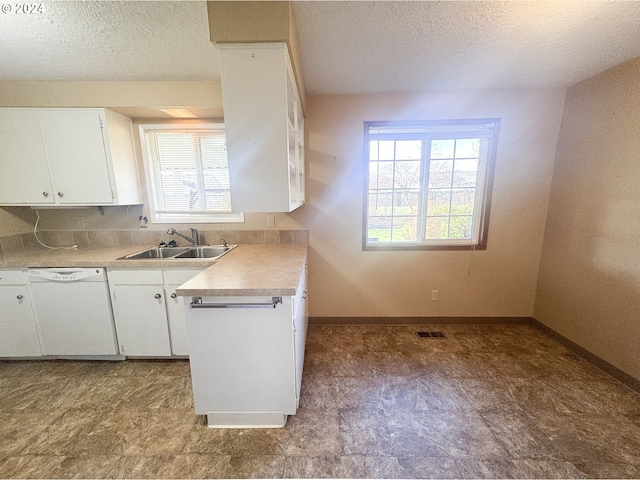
{"points": [[482, 208], [156, 217]]}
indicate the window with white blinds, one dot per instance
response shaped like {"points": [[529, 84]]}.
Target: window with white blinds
{"points": [[187, 173]]}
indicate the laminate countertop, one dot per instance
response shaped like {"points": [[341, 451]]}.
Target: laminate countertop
{"points": [[251, 270], [246, 270]]}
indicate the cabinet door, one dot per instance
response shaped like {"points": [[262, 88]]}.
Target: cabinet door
{"points": [[300, 322], [296, 148], [141, 320], [75, 149], [23, 163], [177, 321], [19, 334]]}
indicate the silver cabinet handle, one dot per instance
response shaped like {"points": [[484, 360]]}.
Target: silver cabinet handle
{"points": [[20, 297], [158, 295], [60, 194], [196, 302], [173, 295], [45, 194]]}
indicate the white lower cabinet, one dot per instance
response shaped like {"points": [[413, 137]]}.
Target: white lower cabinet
{"points": [[139, 312], [149, 317], [246, 363], [19, 333]]}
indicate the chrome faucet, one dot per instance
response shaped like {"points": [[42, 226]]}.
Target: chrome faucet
{"points": [[194, 235]]}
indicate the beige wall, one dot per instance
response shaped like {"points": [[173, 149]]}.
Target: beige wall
{"points": [[501, 281], [344, 280], [589, 283]]}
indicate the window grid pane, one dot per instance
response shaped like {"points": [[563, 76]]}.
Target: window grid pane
{"points": [[453, 163], [394, 190]]}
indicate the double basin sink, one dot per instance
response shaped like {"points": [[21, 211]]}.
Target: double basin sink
{"points": [[211, 252]]}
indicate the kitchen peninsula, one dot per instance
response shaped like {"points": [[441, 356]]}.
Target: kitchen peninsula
{"points": [[247, 322]]}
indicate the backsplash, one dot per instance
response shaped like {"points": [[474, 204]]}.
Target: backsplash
{"points": [[106, 238]]}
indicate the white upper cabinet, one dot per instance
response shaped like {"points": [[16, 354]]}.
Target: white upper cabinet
{"points": [[23, 161], [66, 156], [264, 127]]}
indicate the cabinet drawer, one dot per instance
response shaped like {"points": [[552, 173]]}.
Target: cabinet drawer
{"points": [[13, 277], [135, 277]]}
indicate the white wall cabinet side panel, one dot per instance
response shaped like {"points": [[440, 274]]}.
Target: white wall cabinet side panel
{"points": [[24, 177], [19, 336], [75, 147], [175, 309], [263, 123], [89, 331], [141, 320]]}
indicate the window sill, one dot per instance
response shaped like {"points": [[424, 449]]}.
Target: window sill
{"points": [[423, 246]]}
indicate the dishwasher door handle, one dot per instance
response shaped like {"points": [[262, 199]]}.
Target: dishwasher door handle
{"points": [[196, 302]]}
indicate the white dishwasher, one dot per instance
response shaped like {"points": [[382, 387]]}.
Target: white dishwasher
{"points": [[73, 311]]}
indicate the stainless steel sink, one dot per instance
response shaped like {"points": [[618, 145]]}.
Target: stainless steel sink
{"points": [[204, 251], [155, 253], [207, 251]]}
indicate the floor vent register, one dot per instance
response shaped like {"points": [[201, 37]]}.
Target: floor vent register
{"points": [[430, 334]]}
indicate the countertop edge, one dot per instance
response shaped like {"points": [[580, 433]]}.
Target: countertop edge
{"points": [[248, 270]]}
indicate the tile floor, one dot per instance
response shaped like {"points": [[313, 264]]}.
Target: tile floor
{"points": [[377, 402]]}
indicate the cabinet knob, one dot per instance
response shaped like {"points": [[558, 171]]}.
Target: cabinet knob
{"points": [[158, 295], [173, 295], [20, 297], [60, 194], [45, 194]]}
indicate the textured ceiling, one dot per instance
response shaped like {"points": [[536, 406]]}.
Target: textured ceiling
{"points": [[350, 47], [345, 47], [112, 40]]}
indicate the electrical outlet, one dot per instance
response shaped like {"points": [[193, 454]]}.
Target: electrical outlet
{"points": [[81, 223], [435, 295], [271, 220]]}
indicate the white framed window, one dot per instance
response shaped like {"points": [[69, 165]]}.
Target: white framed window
{"points": [[187, 173], [428, 184]]}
